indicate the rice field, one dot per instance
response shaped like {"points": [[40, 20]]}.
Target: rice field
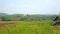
{"points": [[28, 27]]}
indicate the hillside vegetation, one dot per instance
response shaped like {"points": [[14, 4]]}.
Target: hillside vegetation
{"points": [[27, 24], [22, 17]]}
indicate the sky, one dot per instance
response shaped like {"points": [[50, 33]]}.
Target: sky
{"points": [[30, 6]]}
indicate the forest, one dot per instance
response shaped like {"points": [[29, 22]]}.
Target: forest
{"points": [[27, 17]]}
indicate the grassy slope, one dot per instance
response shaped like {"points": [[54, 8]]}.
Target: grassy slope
{"points": [[24, 27]]}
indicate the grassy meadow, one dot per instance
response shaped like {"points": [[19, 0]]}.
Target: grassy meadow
{"points": [[29, 27]]}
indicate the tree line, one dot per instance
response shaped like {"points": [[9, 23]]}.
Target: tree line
{"points": [[22, 17]]}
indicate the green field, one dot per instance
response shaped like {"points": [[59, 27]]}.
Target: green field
{"points": [[28, 27]]}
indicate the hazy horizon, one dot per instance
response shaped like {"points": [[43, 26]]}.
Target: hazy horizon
{"points": [[30, 6]]}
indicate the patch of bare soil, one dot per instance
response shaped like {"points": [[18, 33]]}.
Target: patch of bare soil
{"points": [[3, 25], [56, 29]]}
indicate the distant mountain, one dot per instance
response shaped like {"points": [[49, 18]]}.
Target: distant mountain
{"points": [[3, 14]]}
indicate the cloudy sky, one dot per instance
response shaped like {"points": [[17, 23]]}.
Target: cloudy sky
{"points": [[30, 6]]}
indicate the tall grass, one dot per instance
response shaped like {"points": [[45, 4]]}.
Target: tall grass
{"points": [[26, 27]]}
